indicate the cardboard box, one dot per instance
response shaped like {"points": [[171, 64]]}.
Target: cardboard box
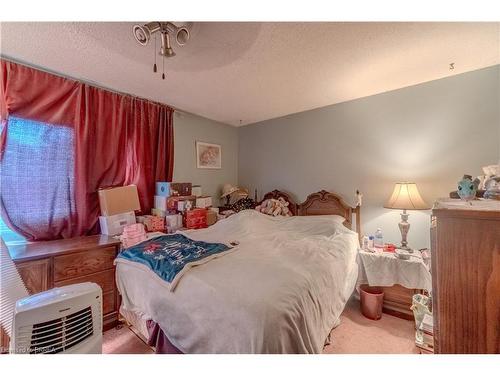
{"points": [[211, 217], [118, 200], [114, 224], [159, 212], [181, 188], [173, 222], [195, 219], [196, 191], [161, 202], [173, 202], [154, 223], [163, 189], [203, 202]]}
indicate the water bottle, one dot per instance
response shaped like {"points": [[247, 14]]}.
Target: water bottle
{"points": [[378, 241]]}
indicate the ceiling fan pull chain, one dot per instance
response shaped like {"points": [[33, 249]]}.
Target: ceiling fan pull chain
{"points": [[154, 66], [163, 75]]}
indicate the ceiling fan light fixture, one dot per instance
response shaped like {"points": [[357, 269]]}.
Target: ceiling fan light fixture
{"points": [[142, 33], [182, 36], [166, 50], [181, 33]]}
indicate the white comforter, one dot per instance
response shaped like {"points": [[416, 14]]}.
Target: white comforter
{"points": [[281, 291]]}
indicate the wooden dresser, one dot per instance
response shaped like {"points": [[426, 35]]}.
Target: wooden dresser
{"points": [[48, 264], [465, 245]]}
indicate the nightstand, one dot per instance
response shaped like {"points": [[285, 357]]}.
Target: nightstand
{"points": [[400, 279]]}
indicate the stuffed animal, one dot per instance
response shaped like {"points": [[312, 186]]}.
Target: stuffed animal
{"points": [[467, 188], [274, 207], [285, 211]]}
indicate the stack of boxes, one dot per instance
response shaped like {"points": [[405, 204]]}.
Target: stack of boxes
{"points": [[176, 205], [182, 205], [118, 206], [204, 201]]}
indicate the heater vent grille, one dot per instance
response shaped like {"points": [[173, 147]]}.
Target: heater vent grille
{"points": [[60, 334]]}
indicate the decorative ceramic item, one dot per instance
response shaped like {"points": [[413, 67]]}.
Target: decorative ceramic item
{"points": [[420, 308], [467, 188]]}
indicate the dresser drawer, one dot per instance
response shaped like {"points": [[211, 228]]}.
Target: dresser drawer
{"points": [[83, 263], [35, 275], [105, 279]]}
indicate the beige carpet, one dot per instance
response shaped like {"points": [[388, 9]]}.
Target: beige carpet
{"points": [[355, 335], [359, 335]]}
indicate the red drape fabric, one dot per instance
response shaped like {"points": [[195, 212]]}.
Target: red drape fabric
{"points": [[118, 140]]}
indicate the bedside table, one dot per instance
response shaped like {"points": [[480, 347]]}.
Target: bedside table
{"points": [[400, 279]]}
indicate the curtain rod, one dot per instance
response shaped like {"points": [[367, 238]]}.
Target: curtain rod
{"points": [[85, 82]]}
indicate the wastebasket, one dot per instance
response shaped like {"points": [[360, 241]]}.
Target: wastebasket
{"points": [[371, 300]]}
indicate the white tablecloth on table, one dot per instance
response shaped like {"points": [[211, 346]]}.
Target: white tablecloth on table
{"points": [[384, 269]]}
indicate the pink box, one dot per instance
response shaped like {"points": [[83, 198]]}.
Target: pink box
{"points": [[133, 234]]}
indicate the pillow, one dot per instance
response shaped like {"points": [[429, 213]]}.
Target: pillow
{"points": [[337, 218]]}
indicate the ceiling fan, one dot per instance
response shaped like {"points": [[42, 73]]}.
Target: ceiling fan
{"points": [[143, 34]]}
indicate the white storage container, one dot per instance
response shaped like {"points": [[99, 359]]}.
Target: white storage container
{"points": [[114, 224], [161, 202], [203, 202]]}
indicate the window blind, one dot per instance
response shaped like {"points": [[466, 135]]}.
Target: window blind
{"points": [[11, 288]]}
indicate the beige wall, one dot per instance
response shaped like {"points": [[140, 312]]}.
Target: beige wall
{"points": [[431, 134], [190, 128]]}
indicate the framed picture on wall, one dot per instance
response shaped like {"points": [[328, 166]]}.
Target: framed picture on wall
{"points": [[208, 155]]}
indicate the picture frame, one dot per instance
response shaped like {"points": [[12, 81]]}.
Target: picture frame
{"points": [[208, 155]]}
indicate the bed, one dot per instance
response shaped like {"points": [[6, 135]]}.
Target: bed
{"points": [[281, 291]]}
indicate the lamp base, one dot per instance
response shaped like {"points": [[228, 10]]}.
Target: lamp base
{"points": [[406, 248], [404, 227]]}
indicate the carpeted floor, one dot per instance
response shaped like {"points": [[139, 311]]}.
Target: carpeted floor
{"points": [[355, 335]]}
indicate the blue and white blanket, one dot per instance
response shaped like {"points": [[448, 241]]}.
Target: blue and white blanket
{"points": [[170, 256]]}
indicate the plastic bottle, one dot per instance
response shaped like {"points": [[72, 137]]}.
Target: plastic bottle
{"points": [[365, 243], [370, 243], [378, 241]]}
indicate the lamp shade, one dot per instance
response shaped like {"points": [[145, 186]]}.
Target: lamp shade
{"points": [[228, 189], [406, 197]]}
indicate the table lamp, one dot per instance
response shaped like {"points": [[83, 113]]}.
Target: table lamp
{"points": [[406, 197]]}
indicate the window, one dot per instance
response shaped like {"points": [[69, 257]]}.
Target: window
{"points": [[37, 175]]}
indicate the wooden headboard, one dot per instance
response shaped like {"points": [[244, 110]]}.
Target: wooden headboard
{"points": [[321, 203]]}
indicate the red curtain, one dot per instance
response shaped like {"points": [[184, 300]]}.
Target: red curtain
{"points": [[118, 140]]}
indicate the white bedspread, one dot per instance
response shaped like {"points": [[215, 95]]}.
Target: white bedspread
{"points": [[282, 291]]}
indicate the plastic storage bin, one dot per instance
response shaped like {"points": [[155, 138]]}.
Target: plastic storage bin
{"points": [[371, 300]]}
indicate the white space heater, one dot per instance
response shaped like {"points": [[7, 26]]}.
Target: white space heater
{"points": [[61, 320]]}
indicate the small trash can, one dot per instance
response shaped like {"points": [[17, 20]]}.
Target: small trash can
{"points": [[371, 300]]}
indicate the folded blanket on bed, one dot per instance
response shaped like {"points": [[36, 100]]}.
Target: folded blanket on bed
{"points": [[170, 256]]}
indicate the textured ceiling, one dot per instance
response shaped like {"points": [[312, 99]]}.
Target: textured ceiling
{"points": [[256, 71]]}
